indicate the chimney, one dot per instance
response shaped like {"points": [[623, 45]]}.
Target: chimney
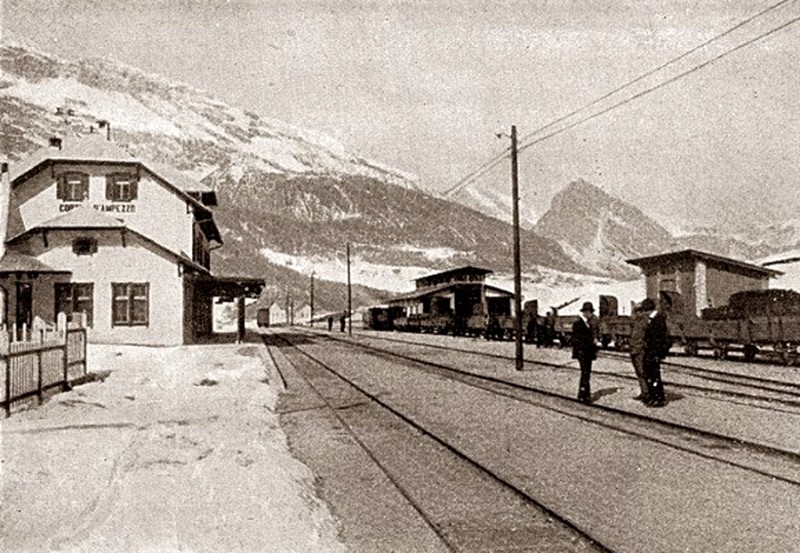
{"points": [[55, 142], [5, 198], [105, 124]]}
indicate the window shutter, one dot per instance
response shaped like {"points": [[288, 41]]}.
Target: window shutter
{"points": [[134, 189], [109, 187], [61, 187]]}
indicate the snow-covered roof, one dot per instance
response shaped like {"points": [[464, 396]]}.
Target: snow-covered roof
{"points": [[670, 258], [14, 262], [94, 148], [84, 216]]}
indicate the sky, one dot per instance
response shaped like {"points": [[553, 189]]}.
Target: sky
{"points": [[426, 85]]}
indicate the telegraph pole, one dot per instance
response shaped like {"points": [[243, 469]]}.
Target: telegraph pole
{"points": [[311, 319], [349, 296], [518, 353]]}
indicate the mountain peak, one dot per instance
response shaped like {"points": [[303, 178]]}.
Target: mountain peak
{"points": [[599, 230]]}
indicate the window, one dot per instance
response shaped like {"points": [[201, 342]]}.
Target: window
{"points": [[84, 246], [130, 304], [75, 297], [73, 187], [121, 187]]}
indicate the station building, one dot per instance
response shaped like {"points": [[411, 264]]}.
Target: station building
{"points": [[461, 292], [88, 228], [700, 279]]}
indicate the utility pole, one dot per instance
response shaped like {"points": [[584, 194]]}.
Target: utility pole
{"points": [[311, 319], [349, 296], [519, 360]]}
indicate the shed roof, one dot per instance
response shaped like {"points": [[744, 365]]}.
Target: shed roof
{"points": [[14, 262], [431, 290], [470, 269], [670, 258]]}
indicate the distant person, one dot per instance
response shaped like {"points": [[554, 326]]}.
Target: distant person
{"points": [[656, 347], [641, 317], [330, 324], [584, 349], [549, 328], [341, 323]]}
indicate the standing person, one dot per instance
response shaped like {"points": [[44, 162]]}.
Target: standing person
{"points": [[330, 324], [656, 346], [342, 323], [550, 327], [584, 349], [641, 318]]}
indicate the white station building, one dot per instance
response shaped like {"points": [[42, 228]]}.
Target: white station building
{"points": [[89, 228]]}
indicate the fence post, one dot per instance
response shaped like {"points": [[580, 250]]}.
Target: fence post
{"points": [[65, 361], [5, 349], [40, 362]]}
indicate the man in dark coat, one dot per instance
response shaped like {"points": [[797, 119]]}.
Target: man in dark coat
{"points": [[584, 349], [641, 317], [650, 339]]}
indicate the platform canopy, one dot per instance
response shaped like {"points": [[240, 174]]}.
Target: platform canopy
{"points": [[231, 287]]}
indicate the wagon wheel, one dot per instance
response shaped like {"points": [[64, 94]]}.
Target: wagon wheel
{"points": [[750, 352], [690, 348], [622, 343], [787, 353], [720, 352]]}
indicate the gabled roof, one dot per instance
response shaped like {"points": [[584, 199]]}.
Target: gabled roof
{"points": [[106, 223], [696, 255], [463, 269], [13, 262], [96, 149], [431, 290], [82, 217]]}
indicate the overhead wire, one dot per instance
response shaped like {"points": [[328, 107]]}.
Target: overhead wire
{"points": [[498, 158]]}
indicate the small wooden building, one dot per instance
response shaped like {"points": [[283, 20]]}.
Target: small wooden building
{"points": [[461, 292], [702, 279]]}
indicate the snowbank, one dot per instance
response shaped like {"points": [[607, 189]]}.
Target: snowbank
{"points": [[178, 449]]}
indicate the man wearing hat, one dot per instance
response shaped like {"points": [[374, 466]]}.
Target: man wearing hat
{"points": [[584, 349], [649, 345]]}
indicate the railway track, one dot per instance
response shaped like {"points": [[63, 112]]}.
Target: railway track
{"points": [[771, 391], [761, 462], [501, 504], [760, 458]]}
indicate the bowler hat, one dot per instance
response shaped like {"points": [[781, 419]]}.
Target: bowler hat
{"points": [[587, 306], [647, 305]]}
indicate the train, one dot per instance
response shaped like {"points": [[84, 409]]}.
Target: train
{"points": [[753, 322]]}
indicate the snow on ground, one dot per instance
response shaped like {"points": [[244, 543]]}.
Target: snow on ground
{"points": [[791, 271], [376, 275], [549, 286], [553, 288], [179, 449]]}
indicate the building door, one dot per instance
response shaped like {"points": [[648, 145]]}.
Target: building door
{"points": [[24, 304]]}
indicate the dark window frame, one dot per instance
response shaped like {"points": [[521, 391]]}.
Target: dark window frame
{"points": [[128, 294], [74, 294], [122, 187], [73, 186], [84, 245]]}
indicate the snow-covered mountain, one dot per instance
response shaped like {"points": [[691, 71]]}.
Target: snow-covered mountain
{"points": [[601, 230], [197, 130], [285, 193], [753, 242]]}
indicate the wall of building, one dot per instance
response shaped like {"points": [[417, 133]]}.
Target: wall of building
{"points": [[721, 284], [137, 261], [44, 301], [158, 212]]}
